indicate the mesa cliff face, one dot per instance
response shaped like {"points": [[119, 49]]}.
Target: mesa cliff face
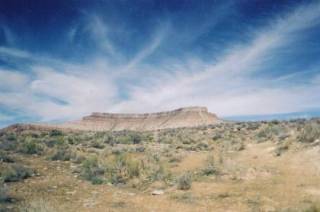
{"points": [[183, 117]]}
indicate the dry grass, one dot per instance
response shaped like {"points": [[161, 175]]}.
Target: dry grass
{"points": [[215, 168]]}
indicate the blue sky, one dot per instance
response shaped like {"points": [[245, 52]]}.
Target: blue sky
{"points": [[243, 59]]}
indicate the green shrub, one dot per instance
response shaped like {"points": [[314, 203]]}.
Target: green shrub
{"points": [[8, 145], [57, 141], [97, 144], [54, 133], [216, 136], [159, 172], [184, 181], [108, 139], [309, 133], [124, 139], [63, 154], [136, 138], [15, 172], [210, 168], [123, 168], [92, 170], [270, 131], [11, 137], [30, 146], [128, 137], [4, 157]]}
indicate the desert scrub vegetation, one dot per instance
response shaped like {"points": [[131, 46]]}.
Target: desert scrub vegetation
{"points": [[54, 133], [313, 208], [62, 153], [123, 168], [14, 172], [31, 146], [39, 205], [4, 196], [210, 166], [270, 131], [4, 157], [310, 132], [184, 182], [281, 148], [92, 170]]}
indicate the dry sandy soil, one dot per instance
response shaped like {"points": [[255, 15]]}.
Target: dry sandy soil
{"points": [[257, 167]]}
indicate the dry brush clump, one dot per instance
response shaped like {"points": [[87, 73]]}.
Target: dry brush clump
{"points": [[4, 157], [92, 170], [210, 167], [31, 146], [39, 205], [310, 132], [124, 169], [184, 182], [14, 172], [4, 195]]}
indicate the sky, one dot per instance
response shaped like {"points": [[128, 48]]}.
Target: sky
{"points": [[243, 59]]}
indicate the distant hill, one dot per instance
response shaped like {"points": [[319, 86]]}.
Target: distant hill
{"points": [[182, 117]]}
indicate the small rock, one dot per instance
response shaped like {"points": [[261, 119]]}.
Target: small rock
{"points": [[157, 192]]}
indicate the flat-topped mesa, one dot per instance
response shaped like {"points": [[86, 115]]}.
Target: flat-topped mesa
{"points": [[97, 115], [182, 117]]}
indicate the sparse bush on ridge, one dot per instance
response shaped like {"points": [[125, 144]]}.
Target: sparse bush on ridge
{"points": [[30, 146], [54, 133], [8, 145], [11, 137]]}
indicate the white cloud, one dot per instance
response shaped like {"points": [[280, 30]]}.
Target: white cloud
{"points": [[149, 49], [12, 80], [14, 52], [100, 34], [225, 85]]}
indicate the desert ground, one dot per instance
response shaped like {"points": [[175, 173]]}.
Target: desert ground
{"points": [[230, 166]]}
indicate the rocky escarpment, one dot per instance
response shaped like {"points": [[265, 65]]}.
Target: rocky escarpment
{"points": [[182, 117]]}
